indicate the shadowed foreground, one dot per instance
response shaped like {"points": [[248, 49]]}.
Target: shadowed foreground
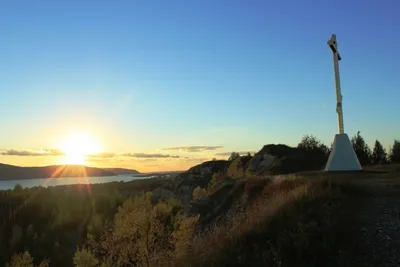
{"points": [[306, 219]]}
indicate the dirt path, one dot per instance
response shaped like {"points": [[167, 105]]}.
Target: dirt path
{"points": [[371, 230]]}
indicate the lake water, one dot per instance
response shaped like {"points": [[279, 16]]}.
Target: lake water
{"points": [[45, 182]]}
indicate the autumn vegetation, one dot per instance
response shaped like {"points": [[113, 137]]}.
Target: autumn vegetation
{"points": [[290, 221]]}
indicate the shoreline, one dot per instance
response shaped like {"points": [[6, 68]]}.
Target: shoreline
{"points": [[61, 177]]}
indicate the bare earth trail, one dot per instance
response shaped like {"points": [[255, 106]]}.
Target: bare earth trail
{"points": [[370, 223]]}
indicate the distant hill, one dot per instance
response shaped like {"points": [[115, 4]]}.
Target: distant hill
{"points": [[10, 172], [121, 171]]}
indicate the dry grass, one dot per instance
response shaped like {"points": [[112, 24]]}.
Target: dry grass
{"points": [[294, 221], [291, 223]]}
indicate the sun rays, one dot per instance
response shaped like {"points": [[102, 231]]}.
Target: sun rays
{"points": [[77, 146]]}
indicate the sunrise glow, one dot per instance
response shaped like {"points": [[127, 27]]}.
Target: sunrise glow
{"points": [[77, 146]]}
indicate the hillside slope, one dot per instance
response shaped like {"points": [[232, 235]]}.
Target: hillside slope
{"points": [[273, 159], [10, 172], [119, 171]]}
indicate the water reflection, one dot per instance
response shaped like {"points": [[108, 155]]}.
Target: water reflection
{"points": [[45, 182]]}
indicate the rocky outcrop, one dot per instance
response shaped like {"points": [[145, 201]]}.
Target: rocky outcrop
{"points": [[199, 175], [270, 160], [282, 159]]}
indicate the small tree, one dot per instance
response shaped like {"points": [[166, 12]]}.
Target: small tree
{"points": [[183, 237], [139, 236], [233, 156], [214, 180], [84, 258], [143, 234], [25, 260], [379, 155], [395, 152], [311, 144], [316, 151], [361, 148], [244, 160], [199, 192], [18, 188]]}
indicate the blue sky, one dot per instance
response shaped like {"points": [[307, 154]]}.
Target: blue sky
{"points": [[147, 75]]}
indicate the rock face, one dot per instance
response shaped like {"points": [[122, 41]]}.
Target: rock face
{"points": [[199, 175], [282, 159], [270, 160], [231, 190]]}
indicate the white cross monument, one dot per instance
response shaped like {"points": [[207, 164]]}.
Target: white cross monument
{"points": [[342, 156]]}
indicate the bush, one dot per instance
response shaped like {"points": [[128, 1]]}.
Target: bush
{"points": [[84, 258], [317, 151], [142, 234], [18, 188], [25, 260], [245, 159], [233, 156], [214, 180], [311, 144], [199, 192]]}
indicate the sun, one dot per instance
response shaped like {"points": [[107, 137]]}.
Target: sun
{"points": [[77, 146]]}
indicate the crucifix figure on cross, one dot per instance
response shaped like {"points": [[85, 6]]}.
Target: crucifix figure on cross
{"points": [[342, 156], [336, 57]]}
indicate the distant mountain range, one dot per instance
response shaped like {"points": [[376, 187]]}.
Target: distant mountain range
{"points": [[10, 172]]}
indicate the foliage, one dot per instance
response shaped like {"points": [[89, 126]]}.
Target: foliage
{"points": [[311, 144], [199, 192], [395, 152], [214, 180], [142, 222], [361, 149], [236, 168], [233, 156], [316, 151], [296, 216], [18, 188], [184, 236], [143, 234], [116, 224], [25, 260], [84, 258], [379, 155], [244, 160], [51, 222]]}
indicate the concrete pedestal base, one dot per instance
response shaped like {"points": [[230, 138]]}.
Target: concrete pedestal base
{"points": [[342, 157]]}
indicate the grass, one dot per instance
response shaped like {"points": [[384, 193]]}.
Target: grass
{"points": [[291, 223], [296, 221], [303, 219]]}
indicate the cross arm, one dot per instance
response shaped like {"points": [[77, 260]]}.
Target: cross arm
{"points": [[333, 45]]}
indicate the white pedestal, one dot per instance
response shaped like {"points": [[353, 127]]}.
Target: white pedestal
{"points": [[342, 157]]}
